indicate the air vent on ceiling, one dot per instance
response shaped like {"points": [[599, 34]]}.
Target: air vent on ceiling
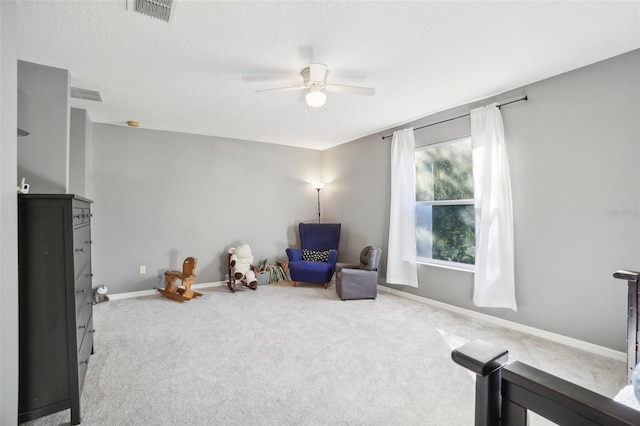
{"points": [[89, 95], [160, 9]]}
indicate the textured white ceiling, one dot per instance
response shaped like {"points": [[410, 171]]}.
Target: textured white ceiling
{"points": [[198, 73]]}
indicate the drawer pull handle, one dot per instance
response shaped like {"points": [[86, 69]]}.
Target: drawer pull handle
{"points": [[90, 275], [80, 249], [90, 214], [82, 326], [80, 291], [92, 331], [77, 216], [88, 242], [84, 362]]}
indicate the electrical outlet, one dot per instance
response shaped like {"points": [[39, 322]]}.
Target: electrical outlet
{"points": [[143, 269]]}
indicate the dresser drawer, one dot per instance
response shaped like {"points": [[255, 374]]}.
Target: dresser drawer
{"points": [[82, 287], [78, 215], [82, 324], [85, 353], [81, 248], [81, 212], [86, 215]]}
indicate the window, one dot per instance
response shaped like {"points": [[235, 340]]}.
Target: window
{"points": [[445, 218]]}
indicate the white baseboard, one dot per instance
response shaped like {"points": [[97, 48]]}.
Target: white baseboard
{"points": [[153, 291], [558, 338]]}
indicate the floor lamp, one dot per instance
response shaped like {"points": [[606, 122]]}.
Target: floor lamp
{"points": [[318, 186]]}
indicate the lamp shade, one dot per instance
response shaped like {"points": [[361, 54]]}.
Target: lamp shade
{"points": [[316, 98], [318, 185]]}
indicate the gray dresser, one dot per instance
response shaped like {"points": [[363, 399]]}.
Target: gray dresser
{"points": [[55, 311]]}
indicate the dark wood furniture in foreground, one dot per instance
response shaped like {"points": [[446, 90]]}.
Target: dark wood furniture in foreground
{"points": [[187, 277], [55, 311], [505, 393], [633, 300]]}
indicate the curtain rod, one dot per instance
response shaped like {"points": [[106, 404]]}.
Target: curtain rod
{"points": [[525, 98]]}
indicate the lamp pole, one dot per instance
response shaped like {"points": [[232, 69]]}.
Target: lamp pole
{"points": [[318, 186], [318, 189]]}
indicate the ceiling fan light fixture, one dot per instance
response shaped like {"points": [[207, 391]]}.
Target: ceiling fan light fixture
{"points": [[316, 97], [315, 82]]}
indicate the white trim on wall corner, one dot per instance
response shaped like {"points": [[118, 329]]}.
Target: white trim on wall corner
{"points": [[153, 291], [558, 338]]}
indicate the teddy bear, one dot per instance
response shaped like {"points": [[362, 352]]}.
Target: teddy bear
{"points": [[100, 295], [241, 261]]}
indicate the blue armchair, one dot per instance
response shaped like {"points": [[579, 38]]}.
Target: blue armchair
{"points": [[315, 260]]}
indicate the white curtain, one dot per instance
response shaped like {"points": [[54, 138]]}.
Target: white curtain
{"points": [[494, 282], [401, 259]]}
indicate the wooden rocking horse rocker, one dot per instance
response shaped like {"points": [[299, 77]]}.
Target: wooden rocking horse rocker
{"points": [[187, 277]]}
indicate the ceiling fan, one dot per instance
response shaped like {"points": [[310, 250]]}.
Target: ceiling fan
{"points": [[315, 81]]}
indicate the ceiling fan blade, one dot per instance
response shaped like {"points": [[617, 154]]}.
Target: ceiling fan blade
{"points": [[355, 90], [282, 89], [317, 72]]}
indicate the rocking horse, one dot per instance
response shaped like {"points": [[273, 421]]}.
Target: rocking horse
{"points": [[187, 277]]}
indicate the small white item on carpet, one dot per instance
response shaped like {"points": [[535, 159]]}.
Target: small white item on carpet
{"points": [[626, 396]]}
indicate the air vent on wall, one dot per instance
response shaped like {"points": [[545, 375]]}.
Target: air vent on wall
{"points": [[160, 9], [89, 95]]}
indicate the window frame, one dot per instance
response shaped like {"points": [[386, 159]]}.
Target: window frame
{"points": [[447, 264]]}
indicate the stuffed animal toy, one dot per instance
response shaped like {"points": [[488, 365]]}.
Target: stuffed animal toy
{"points": [[100, 295], [240, 261]]}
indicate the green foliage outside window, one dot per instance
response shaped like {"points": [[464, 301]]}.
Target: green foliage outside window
{"points": [[454, 236], [445, 231]]}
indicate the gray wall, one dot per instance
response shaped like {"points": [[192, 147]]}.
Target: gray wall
{"points": [[80, 153], [573, 149], [357, 195], [43, 156], [161, 196], [8, 217]]}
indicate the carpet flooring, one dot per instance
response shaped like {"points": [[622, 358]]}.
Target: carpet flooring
{"points": [[298, 356]]}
